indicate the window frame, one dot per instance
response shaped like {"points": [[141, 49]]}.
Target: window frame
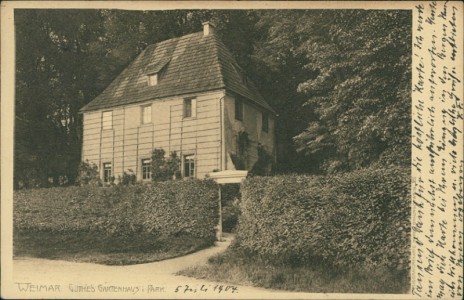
{"points": [[146, 163], [192, 113], [239, 108], [110, 126], [152, 79], [190, 160], [142, 117], [106, 177]]}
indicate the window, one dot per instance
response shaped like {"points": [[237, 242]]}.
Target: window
{"points": [[189, 165], [190, 108], [107, 172], [265, 122], [146, 169], [107, 119], [146, 114], [152, 79], [238, 109], [155, 70]]}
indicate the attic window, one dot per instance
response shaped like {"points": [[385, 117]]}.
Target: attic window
{"points": [[154, 70], [152, 79]]}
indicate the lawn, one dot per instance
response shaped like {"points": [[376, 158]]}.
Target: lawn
{"points": [[236, 267], [102, 249]]}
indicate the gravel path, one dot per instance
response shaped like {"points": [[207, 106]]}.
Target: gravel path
{"points": [[42, 278]]}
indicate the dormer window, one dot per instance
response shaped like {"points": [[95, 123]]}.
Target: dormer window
{"points": [[155, 70], [152, 79]]}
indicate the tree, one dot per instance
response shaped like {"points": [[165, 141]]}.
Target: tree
{"points": [[277, 69], [46, 135], [65, 58], [361, 93], [339, 80]]}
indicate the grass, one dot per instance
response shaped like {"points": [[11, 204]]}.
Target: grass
{"points": [[101, 249], [239, 268]]}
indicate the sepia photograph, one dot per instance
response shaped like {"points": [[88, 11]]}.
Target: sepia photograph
{"points": [[223, 153]]}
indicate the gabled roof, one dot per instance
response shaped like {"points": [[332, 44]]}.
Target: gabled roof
{"points": [[188, 64]]}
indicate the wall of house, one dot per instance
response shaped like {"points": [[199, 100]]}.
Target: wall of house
{"points": [[252, 125], [129, 141]]}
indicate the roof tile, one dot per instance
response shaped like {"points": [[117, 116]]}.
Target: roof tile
{"points": [[188, 64]]}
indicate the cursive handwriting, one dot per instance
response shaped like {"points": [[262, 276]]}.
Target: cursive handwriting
{"points": [[437, 162]]}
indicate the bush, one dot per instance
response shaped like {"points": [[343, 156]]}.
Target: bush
{"points": [[230, 193], [166, 209], [88, 174], [181, 207], [230, 215], [230, 196], [163, 169], [128, 177], [263, 165], [357, 219]]}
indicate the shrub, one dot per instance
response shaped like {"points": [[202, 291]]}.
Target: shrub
{"points": [[128, 178], [181, 207], [239, 159], [351, 219], [263, 165], [164, 169], [166, 209], [88, 174], [230, 215], [173, 163], [229, 193], [230, 196]]}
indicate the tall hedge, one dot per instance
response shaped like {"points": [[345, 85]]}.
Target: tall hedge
{"points": [[353, 219], [185, 207]]}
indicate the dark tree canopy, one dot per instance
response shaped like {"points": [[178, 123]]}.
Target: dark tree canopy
{"points": [[361, 93], [339, 79]]}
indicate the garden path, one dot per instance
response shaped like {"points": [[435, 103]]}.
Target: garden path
{"points": [[150, 280]]}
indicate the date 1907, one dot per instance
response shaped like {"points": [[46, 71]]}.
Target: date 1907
{"points": [[218, 288]]}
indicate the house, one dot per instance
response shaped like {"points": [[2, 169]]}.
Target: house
{"points": [[188, 95]]}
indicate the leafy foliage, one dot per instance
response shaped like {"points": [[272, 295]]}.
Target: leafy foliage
{"points": [[263, 165], [230, 196], [352, 219], [240, 158], [128, 177], [162, 210], [88, 174], [361, 93], [238, 266], [339, 80], [164, 169]]}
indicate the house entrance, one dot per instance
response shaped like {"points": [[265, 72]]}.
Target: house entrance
{"points": [[221, 178]]}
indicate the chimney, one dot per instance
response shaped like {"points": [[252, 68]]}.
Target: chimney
{"points": [[208, 28]]}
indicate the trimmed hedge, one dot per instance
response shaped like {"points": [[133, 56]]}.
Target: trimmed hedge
{"points": [[187, 207], [357, 219]]}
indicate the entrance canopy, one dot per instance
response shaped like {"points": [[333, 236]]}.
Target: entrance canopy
{"points": [[229, 176]]}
